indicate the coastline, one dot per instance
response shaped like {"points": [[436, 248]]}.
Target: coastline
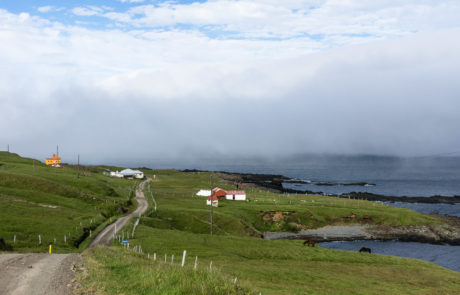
{"points": [[446, 233], [274, 182]]}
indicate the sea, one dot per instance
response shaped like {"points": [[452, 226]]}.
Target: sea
{"points": [[385, 175]]}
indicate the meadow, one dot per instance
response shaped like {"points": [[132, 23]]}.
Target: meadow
{"points": [[57, 206], [236, 250]]}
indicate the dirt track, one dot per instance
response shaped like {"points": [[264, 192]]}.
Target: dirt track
{"points": [[40, 274], [105, 237], [36, 273]]}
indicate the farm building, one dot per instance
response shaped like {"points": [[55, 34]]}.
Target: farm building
{"points": [[219, 193], [235, 195], [55, 160], [215, 201], [203, 193], [128, 173]]}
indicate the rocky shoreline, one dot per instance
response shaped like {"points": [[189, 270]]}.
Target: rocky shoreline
{"points": [[447, 233], [274, 182]]}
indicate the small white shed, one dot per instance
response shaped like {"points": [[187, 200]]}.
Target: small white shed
{"points": [[215, 201]]}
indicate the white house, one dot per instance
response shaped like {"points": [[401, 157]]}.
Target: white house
{"points": [[203, 193], [215, 201], [236, 195], [128, 173]]}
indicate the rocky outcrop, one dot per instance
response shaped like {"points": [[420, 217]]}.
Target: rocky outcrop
{"points": [[446, 233]]}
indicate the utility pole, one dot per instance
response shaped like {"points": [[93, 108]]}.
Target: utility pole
{"points": [[210, 182], [57, 150], [78, 166], [8, 148]]}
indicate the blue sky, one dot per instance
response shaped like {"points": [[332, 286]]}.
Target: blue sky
{"points": [[282, 77]]}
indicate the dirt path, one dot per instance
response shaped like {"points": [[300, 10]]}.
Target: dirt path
{"points": [[105, 237], [36, 274]]}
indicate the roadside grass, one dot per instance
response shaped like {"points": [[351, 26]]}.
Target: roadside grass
{"points": [[118, 271], [56, 202], [180, 209], [288, 267]]}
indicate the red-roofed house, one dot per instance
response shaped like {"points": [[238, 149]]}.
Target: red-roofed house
{"points": [[219, 193], [236, 195]]}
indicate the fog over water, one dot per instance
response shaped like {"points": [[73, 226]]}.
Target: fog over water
{"points": [[397, 97]]}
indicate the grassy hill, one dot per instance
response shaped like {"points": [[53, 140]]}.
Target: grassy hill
{"points": [[56, 202], [269, 267]]}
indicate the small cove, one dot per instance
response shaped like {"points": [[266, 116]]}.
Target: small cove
{"points": [[444, 255]]}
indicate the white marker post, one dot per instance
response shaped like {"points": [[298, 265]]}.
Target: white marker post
{"points": [[39, 239], [65, 239], [172, 259], [154, 256], [196, 262], [14, 239], [210, 266], [183, 257]]}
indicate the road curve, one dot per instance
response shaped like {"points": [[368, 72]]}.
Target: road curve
{"points": [[106, 235]]}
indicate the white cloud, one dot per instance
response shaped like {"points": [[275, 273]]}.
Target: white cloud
{"points": [[63, 82], [45, 9], [132, 1], [87, 11]]}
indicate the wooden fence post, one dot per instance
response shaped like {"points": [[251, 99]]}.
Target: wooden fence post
{"points": [[183, 257]]}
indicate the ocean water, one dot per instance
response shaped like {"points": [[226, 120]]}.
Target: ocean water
{"points": [[390, 176], [444, 255]]}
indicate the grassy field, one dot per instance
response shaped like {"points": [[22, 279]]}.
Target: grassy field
{"points": [[54, 202], [269, 267], [118, 271], [180, 209], [288, 267]]}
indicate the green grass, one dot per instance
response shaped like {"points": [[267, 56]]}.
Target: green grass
{"points": [[180, 209], [269, 267], [288, 267], [120, 271], [54, 202]]}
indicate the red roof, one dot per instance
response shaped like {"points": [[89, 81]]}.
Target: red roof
{"points": [[236, 192], [214, 198], [218, 192]]}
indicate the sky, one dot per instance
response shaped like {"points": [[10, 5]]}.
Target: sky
{"points": [[125, 80]]}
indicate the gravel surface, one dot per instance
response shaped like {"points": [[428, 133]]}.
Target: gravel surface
{"points": [[38, 274]]}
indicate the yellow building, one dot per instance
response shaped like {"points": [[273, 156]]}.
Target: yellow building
{"points": [[55, 160]]}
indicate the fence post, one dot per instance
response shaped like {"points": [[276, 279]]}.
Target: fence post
{"points": [[154, 256], [39, 239], [183, 257], [14, 239], [172, 259], [196, 260], [165, 258], [210, 266], [65, 239]]}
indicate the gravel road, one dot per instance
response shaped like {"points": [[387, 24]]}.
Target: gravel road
{"points": [[37, 274], [106, 235], [52, 274]]}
